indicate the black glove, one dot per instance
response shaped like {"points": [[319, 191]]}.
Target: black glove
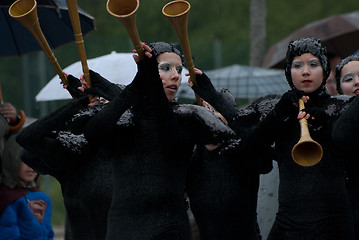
{"points": [[101, 87], [74, 83], [204, 87], [288, 104], [318, 117], [147, 74]]}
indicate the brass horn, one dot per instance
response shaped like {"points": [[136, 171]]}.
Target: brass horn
{"points": [[177, 13], [125, 11], [25, 12], [75, 21], [306, 152], [76, 26]]}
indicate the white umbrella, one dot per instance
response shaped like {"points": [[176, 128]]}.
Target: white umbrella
{"points": [[116, 67]]}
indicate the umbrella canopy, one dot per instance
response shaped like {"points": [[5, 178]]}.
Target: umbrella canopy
{"points": [[249, 82], [54, 21], [340, 35], [118, 68]]}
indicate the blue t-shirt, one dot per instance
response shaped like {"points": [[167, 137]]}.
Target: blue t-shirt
{"points": [[27, 218]]}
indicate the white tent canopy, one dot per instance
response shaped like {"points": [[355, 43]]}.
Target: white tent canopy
{"points": [[249, 82], [116, 67]]}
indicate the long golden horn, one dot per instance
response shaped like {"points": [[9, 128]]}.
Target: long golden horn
{"points": [[25, 12], [125, 11], [306, 152], [177, 13], [76, 25]]}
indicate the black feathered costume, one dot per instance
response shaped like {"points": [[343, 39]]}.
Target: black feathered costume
{"points": [[313, 201], [55, 145], [223, 183], [150, 157], [345, 135]]}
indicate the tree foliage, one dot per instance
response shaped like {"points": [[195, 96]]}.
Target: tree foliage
{"points": [[209, 22]]}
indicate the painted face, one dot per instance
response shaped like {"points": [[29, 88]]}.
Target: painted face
{"points": [[170, 69], [307, 72], [26, 173], [349, 78]]}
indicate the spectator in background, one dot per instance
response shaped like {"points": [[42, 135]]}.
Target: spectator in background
{"points": [[25, 212], [331, 82], [8, 117]]}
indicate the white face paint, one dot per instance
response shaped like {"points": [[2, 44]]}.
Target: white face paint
{"points": [[349, 78], [170, 69]]}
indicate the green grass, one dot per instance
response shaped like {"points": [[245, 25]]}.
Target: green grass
{"points": [[52, 188]]}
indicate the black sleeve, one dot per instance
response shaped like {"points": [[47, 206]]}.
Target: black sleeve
{"points": [[206, 128], [101, 87], [157, 98], [104, 124], [39, 138], [346, 128]]}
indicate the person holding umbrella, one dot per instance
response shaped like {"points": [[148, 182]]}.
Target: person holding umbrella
{"points": [[313, 200], [25, 212], [10, 124]]}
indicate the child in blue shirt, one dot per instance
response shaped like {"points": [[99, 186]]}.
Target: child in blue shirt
{"points": [[25, 212]]}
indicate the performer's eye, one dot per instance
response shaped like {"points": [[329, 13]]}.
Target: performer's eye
{"points": [[166, 67], [297, 65], [347, 77], [179, 69]]}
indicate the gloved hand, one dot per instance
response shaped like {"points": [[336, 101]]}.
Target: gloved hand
{"points": [[147, 73], [74, 83], [288, 104], [204, 87], [100, 86], [318, 117]]}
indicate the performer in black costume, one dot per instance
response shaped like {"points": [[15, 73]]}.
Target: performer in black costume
{"points": [[223, 182], [150, 157], [56, 146], [313, 201], [346, 129]]}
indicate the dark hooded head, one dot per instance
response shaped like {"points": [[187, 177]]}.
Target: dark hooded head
{"points": [[338, 69], [162, 47], [307, 45]]}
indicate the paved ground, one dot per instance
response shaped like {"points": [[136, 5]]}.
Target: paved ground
{"points": [[59, 232]]}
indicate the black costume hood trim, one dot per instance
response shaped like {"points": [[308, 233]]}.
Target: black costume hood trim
{"points": [[307, 45], [162, 47]]}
